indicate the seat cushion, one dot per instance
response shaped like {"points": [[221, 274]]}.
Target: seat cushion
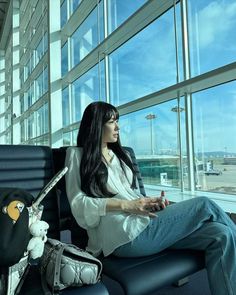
{"points": [[141, 276]]}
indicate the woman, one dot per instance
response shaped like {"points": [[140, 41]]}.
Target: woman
{"points": [[101, 188]]}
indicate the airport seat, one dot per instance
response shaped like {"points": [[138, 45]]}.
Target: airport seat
{"points": [[132, 276]]}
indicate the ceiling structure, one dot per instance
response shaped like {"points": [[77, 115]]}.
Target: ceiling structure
{"points": [[5, 22], [3, 9]]}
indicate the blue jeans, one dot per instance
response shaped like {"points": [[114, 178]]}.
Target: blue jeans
{"points": [[198, 224]]}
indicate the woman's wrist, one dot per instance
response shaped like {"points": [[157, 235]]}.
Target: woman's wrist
{"points": [[114, 204], [123, 205]]}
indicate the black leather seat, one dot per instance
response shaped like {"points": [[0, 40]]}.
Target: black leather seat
{"points": [[146, 275], [134, 276], [30, 168]]}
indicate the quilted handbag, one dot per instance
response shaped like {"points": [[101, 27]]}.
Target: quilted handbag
{"points": [[65, 265]]}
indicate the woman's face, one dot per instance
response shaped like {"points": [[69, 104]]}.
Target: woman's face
{"points": [[110, 131]]}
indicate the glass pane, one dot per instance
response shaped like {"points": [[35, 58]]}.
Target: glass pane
{"points": [[66, 139], [144, 64], [42, 118], [39, 51], [64, 13], [215, 144], [211, 28], [45, 42], [31, 126], [39, 86], [64, 59], [42, 140], [45, 80], [22, 128], [40, 121], [86, 37], [153, 134], [86, 89], [75, 4], [46, 118], [119, 11], [65, 107], [74, 137]]}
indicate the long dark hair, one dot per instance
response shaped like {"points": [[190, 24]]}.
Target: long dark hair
{"points": [[93, 171]]}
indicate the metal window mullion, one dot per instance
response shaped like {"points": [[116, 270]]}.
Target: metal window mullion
{"points": [[178, 100], [70, 110], [176, 44], [69, 54], [98, 54], [188, 106], [106, 58], [180, 146], [49, 77]]}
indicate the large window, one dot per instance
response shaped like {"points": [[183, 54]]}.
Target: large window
{"points": [[214, 138], [155, 137]]}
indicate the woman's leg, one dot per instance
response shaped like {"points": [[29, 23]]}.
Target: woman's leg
{"points": [[219, 243], [179, 226]]}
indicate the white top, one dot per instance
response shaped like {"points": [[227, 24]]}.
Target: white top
{"points": [[106, 230]]}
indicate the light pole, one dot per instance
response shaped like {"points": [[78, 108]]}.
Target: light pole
{"points": [[178, 110], [151, 117]]}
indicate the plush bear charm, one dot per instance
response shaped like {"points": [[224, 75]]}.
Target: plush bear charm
{"points": [[38, 230]]}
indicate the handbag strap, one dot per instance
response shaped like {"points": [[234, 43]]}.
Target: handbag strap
{"points": [[56, 277], [44, 285]]}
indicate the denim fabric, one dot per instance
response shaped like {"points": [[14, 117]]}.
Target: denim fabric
{"points": [[198, 224]]}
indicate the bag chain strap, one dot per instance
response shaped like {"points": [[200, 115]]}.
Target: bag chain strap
{"points": [[57, 269]]}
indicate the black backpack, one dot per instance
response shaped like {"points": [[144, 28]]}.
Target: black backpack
{"points": [[14, 224]]}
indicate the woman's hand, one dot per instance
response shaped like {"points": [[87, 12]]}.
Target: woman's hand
{"points": [[163, 202], [144, 206]]}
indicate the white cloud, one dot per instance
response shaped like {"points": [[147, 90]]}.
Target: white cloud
{"points": [[214, 20]]}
